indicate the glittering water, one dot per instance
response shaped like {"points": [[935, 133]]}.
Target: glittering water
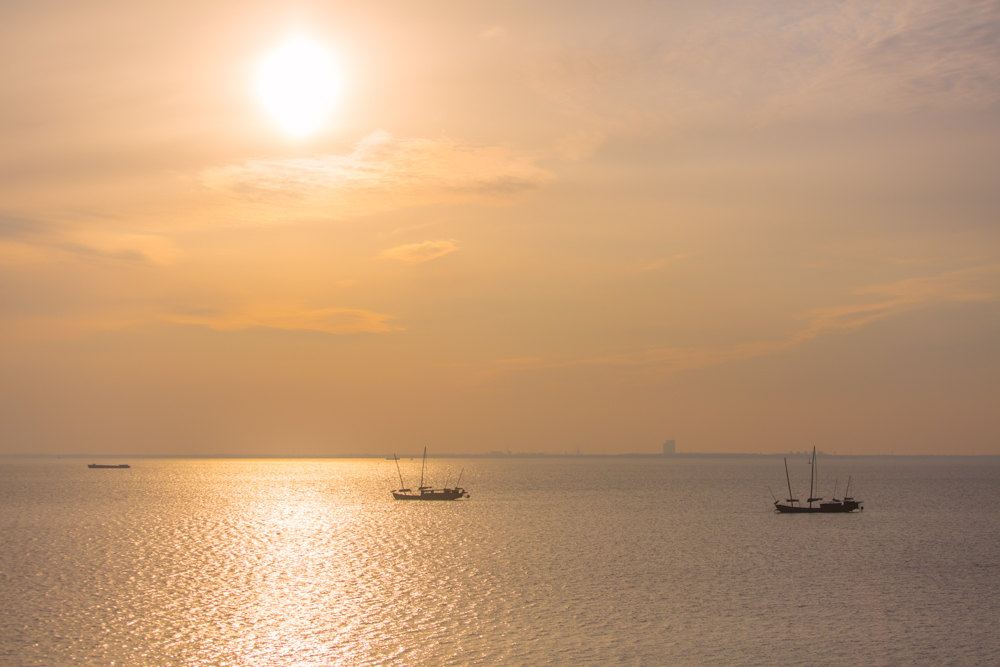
{"points": [[638, 561]]}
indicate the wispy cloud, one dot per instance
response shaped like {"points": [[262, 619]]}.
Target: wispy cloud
{"points": [[417, 253], [760, 63], [44, 238], [382, 172], [660, 263], [890, 300], [334, 321], [966, 285], [114, 317], [896, 58], [493, 33]]}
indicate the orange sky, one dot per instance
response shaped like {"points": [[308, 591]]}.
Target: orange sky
{"points": [[749, 227]]}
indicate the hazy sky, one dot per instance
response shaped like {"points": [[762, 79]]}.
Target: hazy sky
{"points": [[749, 226]]}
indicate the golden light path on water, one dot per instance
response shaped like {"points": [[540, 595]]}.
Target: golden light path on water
{"points": [[301, 585], [310, 562]]}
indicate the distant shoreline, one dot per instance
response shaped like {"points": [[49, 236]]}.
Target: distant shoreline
{"points": [[502, 455]]}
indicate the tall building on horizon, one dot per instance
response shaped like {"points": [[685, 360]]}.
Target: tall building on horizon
{"points": [[669, 447]]}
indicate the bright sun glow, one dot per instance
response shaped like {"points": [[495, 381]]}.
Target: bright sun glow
{"points": [[298, 83]]}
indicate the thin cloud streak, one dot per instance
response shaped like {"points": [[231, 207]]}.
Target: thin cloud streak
{"points": [[661, 263], [793, 63], [493, 33], [383, 173], [328, 321], [36, 238], [418, 253], [978, 284], [333, 321]]}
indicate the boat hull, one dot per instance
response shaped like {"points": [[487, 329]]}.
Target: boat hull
{"points": [[120, 466], [446, 494], [825, 508]]}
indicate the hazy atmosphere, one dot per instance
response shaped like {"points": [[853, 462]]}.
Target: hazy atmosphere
{"points": [[515, 226]]}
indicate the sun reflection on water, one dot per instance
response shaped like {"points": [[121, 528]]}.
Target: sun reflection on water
{"points": [[312, 563]]}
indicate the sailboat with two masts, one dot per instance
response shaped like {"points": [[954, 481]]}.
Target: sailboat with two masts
{"points": [[792, 505], [426, 492]]}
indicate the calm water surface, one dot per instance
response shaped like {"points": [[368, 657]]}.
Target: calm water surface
{"points": [[263, 562]]}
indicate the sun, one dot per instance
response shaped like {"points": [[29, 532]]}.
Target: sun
{"points": [[298, 84]]}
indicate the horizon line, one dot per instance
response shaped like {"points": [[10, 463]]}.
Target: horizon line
{"points": [[486, 455]]}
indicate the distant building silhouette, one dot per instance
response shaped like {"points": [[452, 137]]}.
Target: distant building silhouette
{"points": [[669, 448]]}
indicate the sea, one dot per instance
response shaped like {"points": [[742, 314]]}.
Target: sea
{"points": [[640, 561]]}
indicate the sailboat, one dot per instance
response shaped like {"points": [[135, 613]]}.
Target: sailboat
{"points": [[792, 504], [426, 492]]}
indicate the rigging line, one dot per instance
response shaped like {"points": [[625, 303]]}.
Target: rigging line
{"points": [[402, 485]]}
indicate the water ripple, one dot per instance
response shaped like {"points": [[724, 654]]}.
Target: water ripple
{"points": [[311, 563]]}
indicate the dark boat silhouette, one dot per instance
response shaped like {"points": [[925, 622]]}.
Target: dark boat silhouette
{"points": [[832, 506], [426, 492], [108, 465]]}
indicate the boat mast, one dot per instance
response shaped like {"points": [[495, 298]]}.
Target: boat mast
{"points": [[423, 462], [399, 472], [789, 480], [812, 476]]}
